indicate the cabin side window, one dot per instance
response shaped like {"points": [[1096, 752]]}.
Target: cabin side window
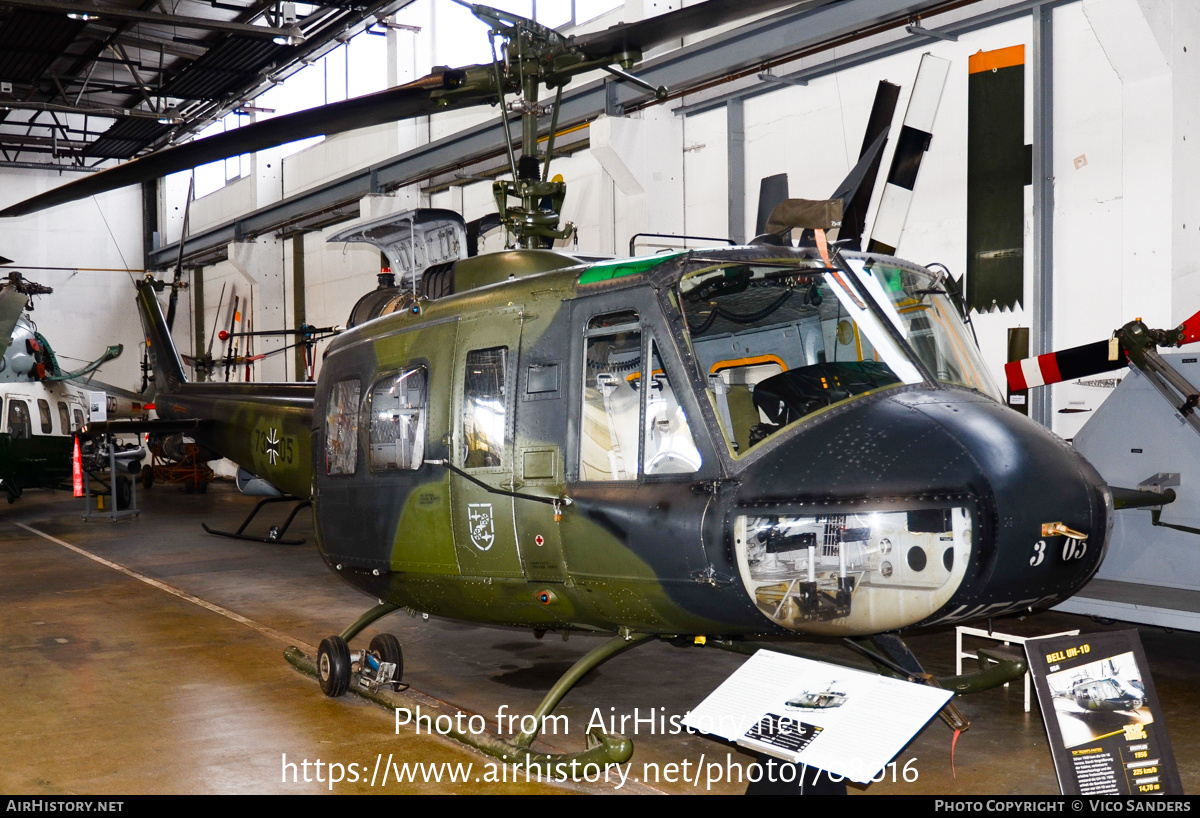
{"points": [[667, 436], [397, 408], [485, 415], [78, 415], [341, 427], [64, 418], [609, 444], [19, 425], [45, 417]]}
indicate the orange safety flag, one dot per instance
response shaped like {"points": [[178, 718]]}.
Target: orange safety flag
{"points": [[77, 471]]}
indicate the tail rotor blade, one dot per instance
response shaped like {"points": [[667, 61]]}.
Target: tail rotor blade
{"points": [[1065, 365]]}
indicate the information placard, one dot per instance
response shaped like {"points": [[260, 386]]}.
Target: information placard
{"points": [[846, 722], [1102, 715]]}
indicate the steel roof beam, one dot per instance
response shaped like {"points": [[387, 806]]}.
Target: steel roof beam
{"points": [[132, 15]]}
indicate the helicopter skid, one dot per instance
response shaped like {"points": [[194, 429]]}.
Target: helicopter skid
{"points": [[603, 748], [275, 534]]}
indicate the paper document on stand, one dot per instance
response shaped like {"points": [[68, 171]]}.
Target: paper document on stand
{"points": [[846, 722]]}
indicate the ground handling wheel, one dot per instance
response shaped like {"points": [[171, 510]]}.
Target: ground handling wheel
{"points": [[333, 666], [124, 492], [385, 648]]}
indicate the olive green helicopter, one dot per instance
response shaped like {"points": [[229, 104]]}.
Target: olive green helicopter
{"points": [[739, 447]]}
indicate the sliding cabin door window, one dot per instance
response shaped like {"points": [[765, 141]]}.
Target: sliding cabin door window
{"points": [[341, 428], [64, 418], [397, 407], [484, 409]]}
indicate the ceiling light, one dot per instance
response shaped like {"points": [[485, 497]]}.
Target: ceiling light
{"points": [[294, 36], [81, 15]]}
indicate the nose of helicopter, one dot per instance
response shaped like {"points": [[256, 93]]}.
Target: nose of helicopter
{"points": [[1046, 512], [1040, 514]]}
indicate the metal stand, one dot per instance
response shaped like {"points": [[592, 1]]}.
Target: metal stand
{"points": [[1006, 638], [115, 513], [274, 533]]}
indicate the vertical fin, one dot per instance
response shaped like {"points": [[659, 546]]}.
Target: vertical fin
{"points": [[771, 191], [164, 358]]}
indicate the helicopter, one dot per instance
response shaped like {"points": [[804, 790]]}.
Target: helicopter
{"points": [[708, 447], [1104, 690], [36, 446], [817, 700]]}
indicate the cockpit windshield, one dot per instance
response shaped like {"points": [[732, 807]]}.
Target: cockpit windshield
{"points": [[778, 341]]}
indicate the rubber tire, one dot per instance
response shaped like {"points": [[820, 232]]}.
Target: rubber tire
{"points": [[124, 492], [333, 666], [202, 486], [147, 477], [189, 485], [386, 648]]}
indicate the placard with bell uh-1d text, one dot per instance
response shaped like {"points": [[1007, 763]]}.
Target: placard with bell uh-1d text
{"points": [[1106, 728]]}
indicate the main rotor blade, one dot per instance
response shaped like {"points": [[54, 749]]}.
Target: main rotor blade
{"points": [[645, 34], [413, 99]]}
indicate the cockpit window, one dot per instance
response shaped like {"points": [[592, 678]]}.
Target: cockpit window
{"points": [[632, 420], [668, 442], [930, 322], [609, 429], [777, 342]]}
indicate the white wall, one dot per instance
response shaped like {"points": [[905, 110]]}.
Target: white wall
{"points": [[88, 310]]}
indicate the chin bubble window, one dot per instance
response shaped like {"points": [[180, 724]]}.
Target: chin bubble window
{"points": [[836, 572]]}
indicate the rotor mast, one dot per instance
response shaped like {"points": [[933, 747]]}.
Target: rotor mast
{"points": [[532, 56]]}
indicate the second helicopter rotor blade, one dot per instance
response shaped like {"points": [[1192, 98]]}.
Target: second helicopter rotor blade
{"points": [[416, 98]]}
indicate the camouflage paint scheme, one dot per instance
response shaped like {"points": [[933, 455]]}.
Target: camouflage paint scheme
{"points": [[656, 554]]}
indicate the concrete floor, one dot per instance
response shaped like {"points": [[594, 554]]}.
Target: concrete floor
{"points": [[161, 671]]}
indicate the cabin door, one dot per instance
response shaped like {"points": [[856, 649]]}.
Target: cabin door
{"points": [[482, 430]]}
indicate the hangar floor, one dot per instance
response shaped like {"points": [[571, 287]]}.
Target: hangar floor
{"points": [[158, 668]]}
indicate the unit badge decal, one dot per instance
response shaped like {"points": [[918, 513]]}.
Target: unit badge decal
{"points": [[483, 531]]}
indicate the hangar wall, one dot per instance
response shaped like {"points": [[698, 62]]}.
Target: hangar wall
{"points": [[89, 309]]}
